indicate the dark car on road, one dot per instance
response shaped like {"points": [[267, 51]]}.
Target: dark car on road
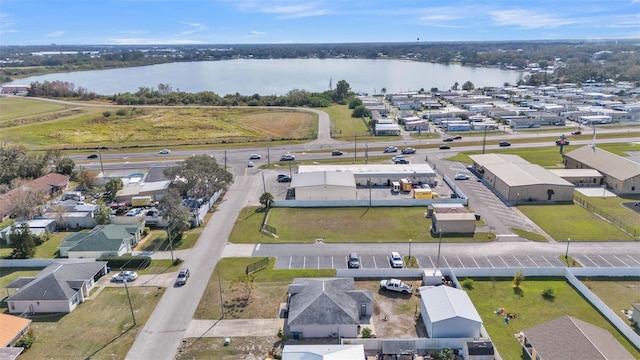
{"points": [[450, 139], [576, 132], [353, 261], [409, 151], [445, 147], [336, 153], [92, 156], [458, 137], [504, 143]]}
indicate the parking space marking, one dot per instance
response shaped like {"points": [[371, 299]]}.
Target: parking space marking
{"points": [[617, 258], [593, 262], [489, 261], [374, 263], [535, 263], [633, 259], [605, 260]]}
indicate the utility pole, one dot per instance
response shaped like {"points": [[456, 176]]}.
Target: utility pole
{"points": [[484, 139], [366, 153], [133, 315], [268, 157], [170, 242], [221, 302], [355, 147], [100, 157], [439, 244], [264, 185], [225, 159]]}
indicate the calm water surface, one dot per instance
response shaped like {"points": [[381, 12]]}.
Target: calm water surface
{"points": [[279, 76]]}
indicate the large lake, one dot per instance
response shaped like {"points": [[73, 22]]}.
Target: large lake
{"points": [[279, 76]]}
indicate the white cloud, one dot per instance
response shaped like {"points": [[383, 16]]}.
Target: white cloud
{"points": [[254, 32], [55, 34], [528, 19], [285, 10], [196, 28]]}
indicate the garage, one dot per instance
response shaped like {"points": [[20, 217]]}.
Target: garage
{"points": [[324, 185]]}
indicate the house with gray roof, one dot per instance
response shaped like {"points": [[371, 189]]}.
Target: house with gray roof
{"points": [[73, 214], [58, 288], [326, 307], [570, 338], [101, 241], [620, 174]]}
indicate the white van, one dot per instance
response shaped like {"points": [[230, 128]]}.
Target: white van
{"points": [[395, 187]]}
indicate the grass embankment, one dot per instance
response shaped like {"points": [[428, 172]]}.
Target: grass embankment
{"points": [[340, 225], [532, 309], [269, 290]]}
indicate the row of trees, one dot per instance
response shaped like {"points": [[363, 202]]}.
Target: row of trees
{"points": [[16, 162]]}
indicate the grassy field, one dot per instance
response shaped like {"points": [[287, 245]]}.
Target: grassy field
{"points": [[47, 126], [270, 289], [572, 221], [613, 209], [340, 225], [618, 295], [531, 309], [97, 329]]}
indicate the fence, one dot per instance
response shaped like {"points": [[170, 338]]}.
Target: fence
{"points": [[257, 266], [621, 224]]}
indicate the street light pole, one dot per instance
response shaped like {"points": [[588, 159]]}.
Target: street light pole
{"points": [[439, 244], [566, 254], [517, 198], [409, 250]]}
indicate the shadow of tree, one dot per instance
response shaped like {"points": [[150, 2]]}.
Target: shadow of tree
{"points": [[518, 291]]}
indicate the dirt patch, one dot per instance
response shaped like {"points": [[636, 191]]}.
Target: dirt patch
{"points": [[395, 315], [246, 348]]}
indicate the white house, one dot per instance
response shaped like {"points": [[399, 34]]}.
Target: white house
{"points": [[323, 352], [325, 185]]}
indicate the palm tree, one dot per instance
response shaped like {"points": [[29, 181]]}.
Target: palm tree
{"points": [[266, 199]]}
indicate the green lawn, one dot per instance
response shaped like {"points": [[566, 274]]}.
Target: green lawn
{"points": [[340, 225], [612, 209], [12, 108], [573, 222], [531, 310], [97, 329]]}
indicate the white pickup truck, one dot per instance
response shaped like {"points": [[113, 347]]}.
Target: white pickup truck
{"points": [[396, 285]]}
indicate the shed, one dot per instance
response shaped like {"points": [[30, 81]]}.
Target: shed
{"points": [[454, 223], [324, 185], [37, 227], [448, 312]]}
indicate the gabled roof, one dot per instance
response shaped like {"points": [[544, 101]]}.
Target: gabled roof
{"points": [[326, 301], [446, 302], [58, 281], [570, 338], [11, 327], [100, 238], [608, 163], [323, 352]]}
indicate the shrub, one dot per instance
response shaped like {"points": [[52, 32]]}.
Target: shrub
{"points": [[548, 294], [468, 284], [366, 332], [106, 114], [26, 341], [121, 112], [127, 262], [518, 278], [146, 231]]}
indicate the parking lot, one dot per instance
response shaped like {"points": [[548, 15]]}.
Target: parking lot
{"points": [[510, 261]]}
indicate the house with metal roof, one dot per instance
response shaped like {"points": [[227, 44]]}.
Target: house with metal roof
{"points": [[378, 174], [326, 307], [448, 312], [570, 338], [621, 175], [516, 180], [323, 352], [58, 288], [101, 241], [324, 185]]}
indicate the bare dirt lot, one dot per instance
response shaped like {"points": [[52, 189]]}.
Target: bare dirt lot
{"points": [[395, 315]]}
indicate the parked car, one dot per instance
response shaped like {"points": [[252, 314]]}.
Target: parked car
{"points": [[280, 176], [284, 179], [390, 149], [336, 153], [449, 139], [409, 151], [636, 204], [504, 143], [183, 275], [353, 261], [461, 177], [287, 157], [124, 276], [445, 147], [250, 164], [254, 157], [400, 161], [133, 212], [164, 152], [457, 137], [92, 156], [577, 132], [396, 285], [396, 260]]}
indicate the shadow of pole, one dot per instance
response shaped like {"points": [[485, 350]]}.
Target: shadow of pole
{"points": [[110, 342]]}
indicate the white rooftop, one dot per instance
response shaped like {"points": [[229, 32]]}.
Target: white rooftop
{"points": [[360, 170]]}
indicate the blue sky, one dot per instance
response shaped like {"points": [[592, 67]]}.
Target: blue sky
{"points": [[126, 22]]}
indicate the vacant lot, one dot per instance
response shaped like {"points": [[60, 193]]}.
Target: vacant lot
{"points": [[340, 225], [531, 309], [17, 109], [47, 126]]}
